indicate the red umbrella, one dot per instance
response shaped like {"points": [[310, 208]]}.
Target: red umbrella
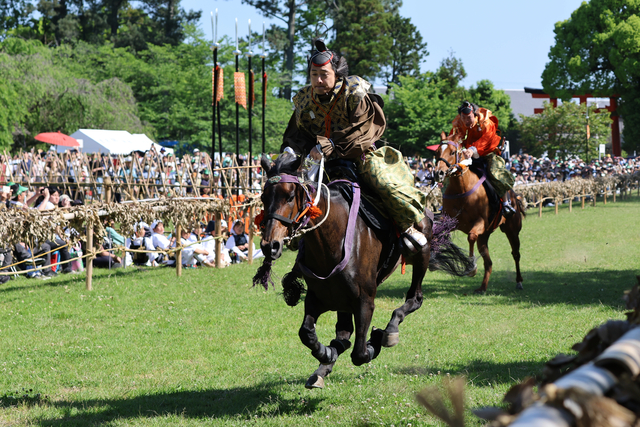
{"points": [[433, 147], [58, 138]]}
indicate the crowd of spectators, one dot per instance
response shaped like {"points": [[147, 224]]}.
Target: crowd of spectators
{"points": [[150, 245], [137, 175], [47, 180], [527, 169]]}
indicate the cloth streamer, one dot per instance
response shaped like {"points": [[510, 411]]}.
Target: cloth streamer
{"points": [[240, 89]]}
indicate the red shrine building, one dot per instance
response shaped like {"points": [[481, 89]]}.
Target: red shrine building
{"points": [[538, 94]]}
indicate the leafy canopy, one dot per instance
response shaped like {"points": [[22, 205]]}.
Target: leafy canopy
{"points": [[597, 52], [563, 130]]}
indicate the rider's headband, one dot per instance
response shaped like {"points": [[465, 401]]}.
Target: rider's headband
{"points": [[321, 58], [465, 108]]}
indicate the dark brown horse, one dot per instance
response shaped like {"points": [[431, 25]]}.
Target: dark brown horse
{"points": [[466, 200], [342, 261]]}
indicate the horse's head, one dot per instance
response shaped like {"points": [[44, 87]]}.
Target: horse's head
{"points": [[447, 156], [284, 199]]}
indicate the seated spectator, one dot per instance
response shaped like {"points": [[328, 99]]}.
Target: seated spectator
{"points": [[160, 241], [23, 253], [192, 251], [105, 258], [209, 242], [238, 243], [18, 195], [6, 259], [115, 237], [141, 240]]}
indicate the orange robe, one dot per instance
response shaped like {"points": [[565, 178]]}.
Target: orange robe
{"points": [[482, 135]]}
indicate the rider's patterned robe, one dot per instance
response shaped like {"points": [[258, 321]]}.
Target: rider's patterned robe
{"points": [[356, 124]]}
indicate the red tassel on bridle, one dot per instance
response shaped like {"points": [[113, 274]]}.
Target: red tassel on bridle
{"points": [[314, 212]]}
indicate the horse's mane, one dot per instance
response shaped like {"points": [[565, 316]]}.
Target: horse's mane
{"points": [[286, 163]]}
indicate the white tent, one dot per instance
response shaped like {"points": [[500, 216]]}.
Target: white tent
{"points": [[111, 142]]}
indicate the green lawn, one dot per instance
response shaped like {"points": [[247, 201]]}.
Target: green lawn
{"points": [[147, 348]]}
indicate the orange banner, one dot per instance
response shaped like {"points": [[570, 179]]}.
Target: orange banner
{"points": [[240, 89], [220, 84]]}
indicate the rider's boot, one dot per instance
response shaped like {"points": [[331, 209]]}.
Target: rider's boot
{"points": [[507, 209], [413, 239]]}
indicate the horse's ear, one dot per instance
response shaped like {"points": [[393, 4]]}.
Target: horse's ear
{"points": [[443, 136], [266, 163]]}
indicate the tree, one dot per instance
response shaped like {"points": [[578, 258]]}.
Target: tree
{"points": [[417, 110], [287, 11], [407, 51], [40, 95], [597, 52], [562, 130], [485, 95], [363, 35]]}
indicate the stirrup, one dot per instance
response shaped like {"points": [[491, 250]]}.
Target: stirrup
{"points": [[507, 209], [413, 239]]}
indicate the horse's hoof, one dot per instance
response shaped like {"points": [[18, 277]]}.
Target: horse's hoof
{"points": [[315, 381], [519, 286], [390, 339], [480, 291], [473, 272]]}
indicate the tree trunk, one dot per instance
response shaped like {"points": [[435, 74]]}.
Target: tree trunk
{"points": [[289, 54]]}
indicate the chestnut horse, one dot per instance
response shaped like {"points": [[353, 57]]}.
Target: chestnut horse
{"points": [[342, 261], [466, 200]]}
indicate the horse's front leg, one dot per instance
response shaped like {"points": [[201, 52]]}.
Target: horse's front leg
{"points": [[413, 301], [312, 311], [365, 351], [344, 329]]}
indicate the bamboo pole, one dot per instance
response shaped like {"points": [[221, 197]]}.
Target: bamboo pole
{"points": [[179, 251], [250, 255], [89, 258], [218, 217]]}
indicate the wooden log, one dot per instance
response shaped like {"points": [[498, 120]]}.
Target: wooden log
{"points": [[623, 354], [570, 204], [89, 258], [557, 202], [583, 197], [589, 378]]}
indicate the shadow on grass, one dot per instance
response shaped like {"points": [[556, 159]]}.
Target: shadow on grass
{"points": [[68, 279], [251, 404], [596, 286], [481, 372]]}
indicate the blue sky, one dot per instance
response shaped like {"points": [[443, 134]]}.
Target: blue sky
{"points": [[505, 41]]}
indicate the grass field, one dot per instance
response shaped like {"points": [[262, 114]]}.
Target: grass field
{"points": [[146, 348]]}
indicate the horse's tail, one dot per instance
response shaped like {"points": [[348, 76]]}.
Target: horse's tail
{"points": [[445, 255]]}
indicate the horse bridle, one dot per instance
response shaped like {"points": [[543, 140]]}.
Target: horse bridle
{"points": [[300, 219], [457, 166]]}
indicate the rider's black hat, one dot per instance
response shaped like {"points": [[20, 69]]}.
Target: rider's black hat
{"points": [[467, 107]]}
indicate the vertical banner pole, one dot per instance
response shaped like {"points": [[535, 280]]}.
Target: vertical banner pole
{"points": [[250, 106], [264, 92], [237, 53]]}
